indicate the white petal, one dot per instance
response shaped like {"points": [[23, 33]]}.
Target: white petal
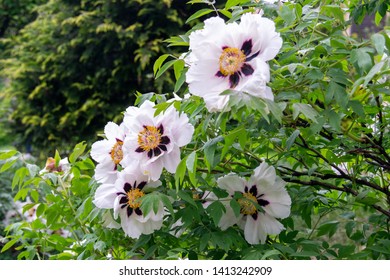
{"points": [[130, 225], [117, 207], [213, 28], [105, 172], [254, 232], [262, 32], [264, 175], [232, 183], [172, 160], [153, 170], [105, 196], [100, 150], [180, 128], [270, 224], [113, 131], [228, 219]]}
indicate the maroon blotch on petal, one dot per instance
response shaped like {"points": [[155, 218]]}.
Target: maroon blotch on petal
{"points": [[247, 70]]}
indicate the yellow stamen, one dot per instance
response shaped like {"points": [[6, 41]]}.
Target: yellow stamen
{"points": [[116, 152], [247, 204], [231, 61], [133, 197], [149, 138]]}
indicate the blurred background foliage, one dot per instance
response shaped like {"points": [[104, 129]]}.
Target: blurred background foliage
{"points": [[71, 66]]}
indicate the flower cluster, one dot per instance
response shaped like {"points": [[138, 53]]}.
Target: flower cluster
{"points": [[131, 160], [133, 154], [232, 57]]}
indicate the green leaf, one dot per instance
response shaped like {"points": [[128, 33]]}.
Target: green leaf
{"points": [[187, 198], [236, 207], [19, 177], [378, 40], [9, 244], [378, 18], [41, 209], [33, 169], [216, 210], [361, 59], [149, 202], [35, 195], [231, 3], [199, 14], [306, 254], [270, 253], [306, 109], [287, 13], [167, 203], [191, 162], [291, 139], [180, 172], [178, 67], [180, 81], [57, 158], [333, 11], [159, 61], [275, 110], [164, 68], [240, 133], [77, 152], [339, 94], [329, 228], [7, 154], [209, 151], [7, 165]]}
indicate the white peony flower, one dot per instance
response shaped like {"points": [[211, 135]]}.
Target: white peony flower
{"points": [[124, 196], [153, 142], [231, 56], [108, 152], [264, 189]]}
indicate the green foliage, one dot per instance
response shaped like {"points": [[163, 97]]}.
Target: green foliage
{"points": [[15, 14], [76, 66], [326, 133]]}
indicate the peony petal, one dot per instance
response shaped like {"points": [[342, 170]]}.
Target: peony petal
{"points": [[264, 37], [254, 233], [270, 224], [100, 150], [105, 196], [232, 183], [105, 172], [131, 226], [153, 170], [172, 160], [113, 132], [228, 219]]}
